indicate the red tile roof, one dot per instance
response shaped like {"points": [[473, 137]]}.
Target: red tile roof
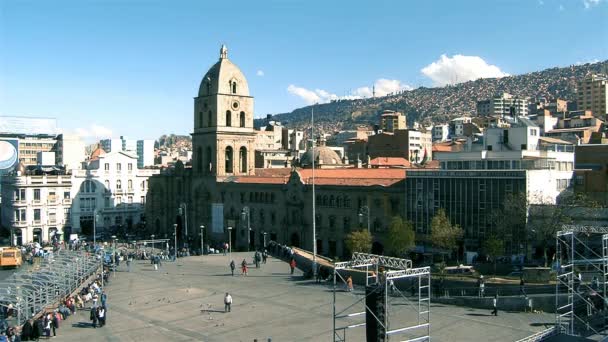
{"points": [[390, 161]]}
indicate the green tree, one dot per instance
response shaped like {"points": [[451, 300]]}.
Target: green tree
{"points": [[400, 237], [494, 247], [444, 235], [359, 241]]}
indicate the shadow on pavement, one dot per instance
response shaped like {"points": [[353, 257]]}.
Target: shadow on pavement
{"points": [[478, 315], [82, 325]]}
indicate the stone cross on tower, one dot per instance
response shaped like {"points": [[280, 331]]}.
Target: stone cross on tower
{"points": [[223, 52]]}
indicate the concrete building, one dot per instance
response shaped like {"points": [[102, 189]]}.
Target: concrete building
{"points": [[129, 145], [36, 204], [145, 153], [592, 94], [577, 127], [473, 184], [70, 151], [413, 145], [113, 187], [109, 145], [391, 121], [45, 159], [458, 126], [441, 132], [503, 104], [591, 169]]}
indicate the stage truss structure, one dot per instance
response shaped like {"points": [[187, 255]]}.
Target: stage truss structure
{"points": [[581, 306], [383, 271]]}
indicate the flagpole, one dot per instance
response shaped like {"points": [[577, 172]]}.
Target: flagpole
{"points": [[314, 217]]}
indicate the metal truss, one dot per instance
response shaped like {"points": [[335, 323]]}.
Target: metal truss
{"points": [[576, 312], [382, 270], [32, 291], [384, 261]]}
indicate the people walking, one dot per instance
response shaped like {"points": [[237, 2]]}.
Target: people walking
{"points": [[55, 323], [232, 267], [292, 265], [349, 284], [93, 317], [227, 302], [264, 256], [244, 267], [495, 304], [101, 313], [482, 286], [522, 289]]}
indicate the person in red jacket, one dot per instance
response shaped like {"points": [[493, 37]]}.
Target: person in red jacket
{"points": [[292, 265]]}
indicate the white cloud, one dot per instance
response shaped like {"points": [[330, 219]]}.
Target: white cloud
{"points": [[459, 68], [590, 3], [94, 131], [260, 73], [382, 87]]}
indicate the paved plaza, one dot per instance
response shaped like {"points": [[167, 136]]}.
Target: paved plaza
{"points": [[183, 301]]}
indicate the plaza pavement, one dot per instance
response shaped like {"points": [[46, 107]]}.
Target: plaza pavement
{"points": [[183, 301]]}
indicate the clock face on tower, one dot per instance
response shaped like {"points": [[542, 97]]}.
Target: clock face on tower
{"points": [[235, 105]]}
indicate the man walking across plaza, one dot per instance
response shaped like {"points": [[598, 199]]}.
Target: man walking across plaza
{"points": [[292, 265], [232, 267], [495, 304], [227, 302]]}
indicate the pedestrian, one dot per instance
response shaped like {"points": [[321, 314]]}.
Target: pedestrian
{"points": [[482, 286], [595, 283], [129, 263], [349, 284], [495, 304], [27, 330], [522, 289], [319, 272], [55, 323], [264, 256], [93, 317], [227, 302], [232, 267], [244, 267], [101, 313], [47, 325], [292, 265], [155, 262]]}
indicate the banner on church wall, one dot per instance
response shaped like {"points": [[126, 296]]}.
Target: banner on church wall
{"points": [[217, 217]]}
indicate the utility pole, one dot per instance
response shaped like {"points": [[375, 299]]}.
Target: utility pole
{"points": [[202, 237], [175, 237]]}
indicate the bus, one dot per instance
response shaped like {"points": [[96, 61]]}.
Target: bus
{"points": [[10, 257]]}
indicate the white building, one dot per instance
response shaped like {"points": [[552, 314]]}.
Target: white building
{"points": [[110, 145], [36, 204], [46, 158], [129, 145], [503, 104], [70, 151], [145, 153], [441, 132], [112, 186], [457, 125]]}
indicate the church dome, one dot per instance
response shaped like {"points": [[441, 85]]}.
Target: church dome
{"points": [[324, 156], [224, 77]]}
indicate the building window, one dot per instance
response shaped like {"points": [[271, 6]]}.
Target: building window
{"points": [[118, 200], [130, 166], [118, 185], [580, 180], [118, 167], [242, 119], [130, 199], [142, 200], [143, 185], [200, 119], [37, 215], [20, 195], [228, 118], [107, 184], [229, 162], [130, 184], [106, 202], [234, 87], [332, 222], [243, 159], [66, 195], [199, 159], [36, 194], [106, 167], [210, 119]]}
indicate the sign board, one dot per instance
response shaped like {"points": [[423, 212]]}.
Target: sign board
{"points": [[9, 155], [217, 217], [27, 126]]}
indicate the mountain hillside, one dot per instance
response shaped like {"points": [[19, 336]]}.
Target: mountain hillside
{"points": [[436, 105]]}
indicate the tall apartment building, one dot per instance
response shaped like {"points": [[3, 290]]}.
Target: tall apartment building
{"points": [[391, 121], [410, 144], [592, 94], [145, 153], [70, 151], [503, 104], [36, 204], [441, 132]]}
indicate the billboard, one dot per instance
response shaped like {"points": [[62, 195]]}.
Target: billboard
{"points": [[27, 126], [9, 155]]}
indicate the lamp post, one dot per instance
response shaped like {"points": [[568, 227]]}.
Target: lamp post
{"points": [[264, 239], [114, 256], [243, 213], [94, 229], [364, 211], [152, 236], [202, 238], [183, 211], [230, 241], [175, 236]]}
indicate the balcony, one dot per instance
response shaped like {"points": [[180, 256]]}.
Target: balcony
{"points": [[37, 222], [52, 200], [67, 201], [37, 202], [52, 221], [19, 224], [17, 202]]}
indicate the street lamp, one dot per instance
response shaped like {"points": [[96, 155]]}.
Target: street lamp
{"points": [[175, 237], [243, 213], [183, 211], [364, 211], [264, 239], [230, 241], [152, 236], [114, 255], [202, 238], [94, 229]]}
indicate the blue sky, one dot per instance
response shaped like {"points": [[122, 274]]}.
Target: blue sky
{"points": [[131, 67]]}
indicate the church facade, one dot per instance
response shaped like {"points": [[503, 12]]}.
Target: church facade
{"points": [[226, 198]]}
